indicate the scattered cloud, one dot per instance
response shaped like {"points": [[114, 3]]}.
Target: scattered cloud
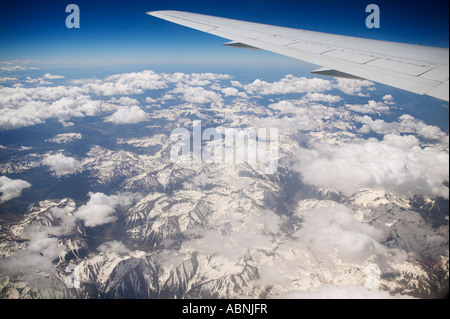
{"points": [[371, 107], [196, 94], [127, 83], [288, 84], [52, 77], [230, 91], [7, 79], [194, 79], [13, 68], [40, 81], [406, 124], [43, 248], [114, 246], [128, 115], [11, 188], [24, 106], [124, 100], [396, 163], [20, 106], [250, 232], [320, 97], [331, 229], [39, 255], [388, 99], [99, 209], [61, 165], [353, 87]]}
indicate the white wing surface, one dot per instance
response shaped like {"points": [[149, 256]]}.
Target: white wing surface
{"points": [[415, 68]]}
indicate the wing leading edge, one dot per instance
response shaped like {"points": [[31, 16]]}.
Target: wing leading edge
{"points": [[415, 68]]}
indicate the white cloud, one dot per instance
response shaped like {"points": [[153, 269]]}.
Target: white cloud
{"points": [[288, 84], [370, 107], [7, 79], [196, 94], [286, 106], [194, 79], [113, 246], [13, 68], [236, 84], [319, 97], [331, 229], [99, 209], [403, 142], [128, 115], [388, 99], [230, 91], [52, 77], [124, 100], [61, 165], [291, 84], [44, 248], [373, 164], [407, 124], [330, 251], [250, 232], [21, 106], [41, 244], [39, 255], [11, 188], [304, 115], [352, 87], [150, 100], [66, 222], [127, 83], [84, 81], [41, 81]]}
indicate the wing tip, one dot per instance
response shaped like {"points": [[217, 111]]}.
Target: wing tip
{"points": [[160, 12], [153, 13]]}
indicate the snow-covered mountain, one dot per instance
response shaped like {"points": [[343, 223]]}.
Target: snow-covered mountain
{"points": [[93, 204], [225, 231]]}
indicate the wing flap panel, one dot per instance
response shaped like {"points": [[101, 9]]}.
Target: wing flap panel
{"points": [[350, 56]]}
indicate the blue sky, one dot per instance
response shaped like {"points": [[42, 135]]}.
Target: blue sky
{"points": [[119, 32]]}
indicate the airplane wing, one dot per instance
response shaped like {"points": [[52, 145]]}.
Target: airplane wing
{"points": [[415, 68]]}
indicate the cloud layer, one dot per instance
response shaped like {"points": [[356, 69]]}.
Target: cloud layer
{"points": [[397, 163], [325, 143], [24, 106]]}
